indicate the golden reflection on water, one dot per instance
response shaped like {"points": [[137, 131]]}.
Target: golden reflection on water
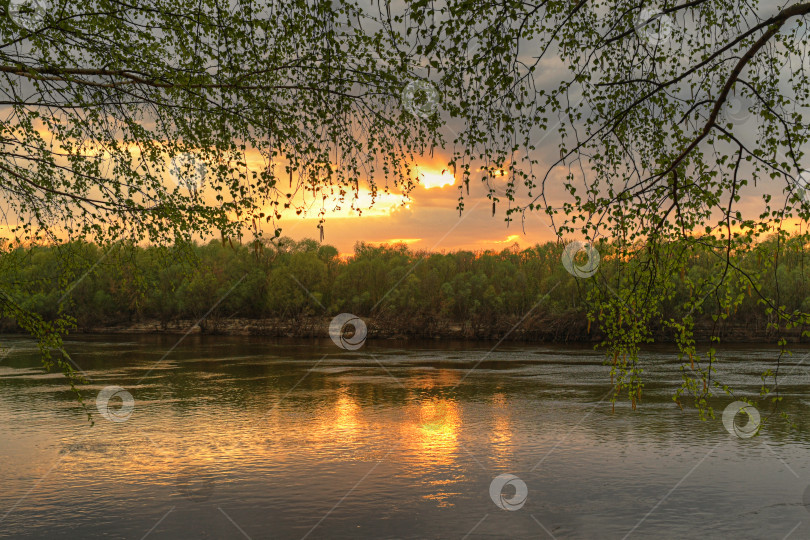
{"points": [[430, 431], [439, 378], [500, 437], [344, 419], [429, 437], [424, 432]]}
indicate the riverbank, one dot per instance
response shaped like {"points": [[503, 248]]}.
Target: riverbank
{"points": [[567, 329]]}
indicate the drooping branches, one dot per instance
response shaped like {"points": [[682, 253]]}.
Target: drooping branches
{"points": [[284, 105], [653, 125]]}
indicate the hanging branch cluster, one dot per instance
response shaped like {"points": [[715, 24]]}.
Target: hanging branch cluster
{"points": [[280, 105], [668, 132]]}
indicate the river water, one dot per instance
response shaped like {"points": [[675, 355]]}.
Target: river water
{"points": [[255, 438]]}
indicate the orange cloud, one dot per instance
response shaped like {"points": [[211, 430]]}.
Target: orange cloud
{"points": [[402, 241], [511, 239]]}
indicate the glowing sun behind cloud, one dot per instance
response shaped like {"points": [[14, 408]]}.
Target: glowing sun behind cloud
{"points": [[436, 179]]}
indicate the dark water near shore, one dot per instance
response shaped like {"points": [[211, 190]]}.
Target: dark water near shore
{"points": [[251, 438]]}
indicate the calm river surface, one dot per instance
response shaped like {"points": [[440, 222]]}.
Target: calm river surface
{"points": [[254, 438]]}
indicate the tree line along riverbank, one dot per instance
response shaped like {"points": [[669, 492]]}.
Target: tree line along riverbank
{"points": [[294, 289]]}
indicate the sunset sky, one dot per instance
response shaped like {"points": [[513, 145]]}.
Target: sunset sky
{"points": [[430, 220]]}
